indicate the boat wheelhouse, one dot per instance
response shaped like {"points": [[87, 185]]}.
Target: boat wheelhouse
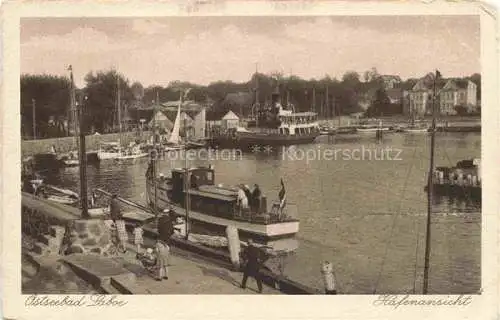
{"points": [[216, 206]]}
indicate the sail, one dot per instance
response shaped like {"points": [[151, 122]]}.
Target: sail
{"points": [[174, 136]]}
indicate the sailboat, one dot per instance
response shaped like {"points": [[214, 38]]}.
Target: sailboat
{"points": [[174, 140], [70, 159], [413, 127]]}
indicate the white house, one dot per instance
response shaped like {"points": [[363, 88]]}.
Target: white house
{"points": [[458, 92], [230, 120]]}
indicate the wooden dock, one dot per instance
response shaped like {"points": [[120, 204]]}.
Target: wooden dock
{"points": [[209, 262]]}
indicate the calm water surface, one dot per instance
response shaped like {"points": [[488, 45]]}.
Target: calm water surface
{"points": [[365, 216]]}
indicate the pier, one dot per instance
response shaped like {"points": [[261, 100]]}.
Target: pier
{"points": [[194, 269]]}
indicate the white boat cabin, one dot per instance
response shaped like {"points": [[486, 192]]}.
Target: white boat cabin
{"points": [[300, 123]]}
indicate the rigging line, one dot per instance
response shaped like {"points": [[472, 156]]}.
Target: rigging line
{"points": [[393, 225], [417, 228]]}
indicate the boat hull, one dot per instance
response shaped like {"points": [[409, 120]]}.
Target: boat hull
{"points": [[424, 130], [133, 156], [250, 140], [107, 155], [371, 130], [473, 193]]}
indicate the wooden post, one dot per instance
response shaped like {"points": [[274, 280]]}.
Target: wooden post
{"points": [[233, 241], [328, 278]]}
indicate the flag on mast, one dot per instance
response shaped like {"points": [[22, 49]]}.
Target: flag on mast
{"points": [[282, 195]]}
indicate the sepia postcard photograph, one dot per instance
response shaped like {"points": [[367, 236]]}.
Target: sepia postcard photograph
{"points": [[251, 154]]}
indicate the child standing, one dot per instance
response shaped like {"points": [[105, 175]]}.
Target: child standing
{"points": [[138, 239], [162, 253], [122, 235]]}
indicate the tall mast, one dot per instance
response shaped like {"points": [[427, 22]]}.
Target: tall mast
{"points": [[186, 170], [256, 84], [327, 102], [33, 104], [73, 118], [118, 102], [155, 166], [430, 189], [83, 160], [288, 91], [314, 99], [335, 107]]}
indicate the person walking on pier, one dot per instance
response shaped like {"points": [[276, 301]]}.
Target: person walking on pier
{"points": [[166, 225], [138, 237], [116, 216], [162, 254], [252, 261], [114, 208]]}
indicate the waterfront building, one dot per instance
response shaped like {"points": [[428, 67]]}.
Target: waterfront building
{"points": [[391, 81], [230, 120], [458, 93], [420, 97], [163, 115]]}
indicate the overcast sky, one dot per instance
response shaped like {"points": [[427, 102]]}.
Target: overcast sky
{"points": [[206, 49]]}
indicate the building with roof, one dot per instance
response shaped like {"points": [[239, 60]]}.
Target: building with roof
{"points": [[391, 81], [458, 92], [230, 120], [220, 121], [451, 93], [163, 115], [420, 97]]}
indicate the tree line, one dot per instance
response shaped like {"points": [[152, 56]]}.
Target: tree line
{"points": [[45, 99]]}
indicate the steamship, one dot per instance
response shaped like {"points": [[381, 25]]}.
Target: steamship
{"points": [[272, 126]]}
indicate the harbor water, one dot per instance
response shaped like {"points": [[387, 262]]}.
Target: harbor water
{"points": [[361, 203]]}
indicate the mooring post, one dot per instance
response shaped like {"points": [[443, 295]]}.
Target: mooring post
{"points": [[328, 277], [233, 241], [83, 165]]}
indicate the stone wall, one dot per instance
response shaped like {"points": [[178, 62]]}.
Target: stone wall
{"points": [[90, 236], [66, 144], [56, 231]]}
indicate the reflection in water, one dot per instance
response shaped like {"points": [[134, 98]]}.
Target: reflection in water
{"points": [[367, 217]]}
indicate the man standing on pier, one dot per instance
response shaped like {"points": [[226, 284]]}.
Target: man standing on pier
{"points": [[166, 225], [253, 259]]}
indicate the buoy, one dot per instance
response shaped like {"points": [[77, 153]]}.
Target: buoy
{"points": [[328, 278], [233, 241]]}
